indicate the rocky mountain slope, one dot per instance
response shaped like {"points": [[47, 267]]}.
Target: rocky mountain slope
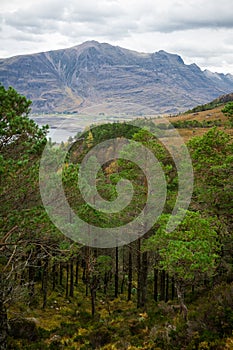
{"points": [[94, 78]]}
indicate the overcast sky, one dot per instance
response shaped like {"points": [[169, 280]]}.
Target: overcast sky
{"points": [[201, 31]]}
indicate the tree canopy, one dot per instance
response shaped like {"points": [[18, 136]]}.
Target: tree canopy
{"points": [[15, 124], [122, 297], [228, 111]]}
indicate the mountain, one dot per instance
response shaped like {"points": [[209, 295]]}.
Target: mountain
{"points": [[97, 77]]}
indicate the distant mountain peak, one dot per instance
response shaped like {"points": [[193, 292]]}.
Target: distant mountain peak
{"points": [[173, 58], [212, 75], [89, 43], [97, 77]]}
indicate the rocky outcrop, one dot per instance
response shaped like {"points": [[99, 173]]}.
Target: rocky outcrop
{"points": [[23, 328]]}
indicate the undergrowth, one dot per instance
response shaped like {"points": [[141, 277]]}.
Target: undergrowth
{"points": [[118, 324]]}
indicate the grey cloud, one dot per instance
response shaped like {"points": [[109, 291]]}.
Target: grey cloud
{"points": [[26, 37], [37, 18], [92, 11], [106, 19], [52, 14], [43, 10], [170, 15], [115, 28]]}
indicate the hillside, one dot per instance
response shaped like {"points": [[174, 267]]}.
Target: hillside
{"points": [[197, 121], [94, 78], [163, 290]]}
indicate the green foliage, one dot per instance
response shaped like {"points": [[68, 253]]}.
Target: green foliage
{"points": [[228, 111], [187, 255], [213, 317], [212, 156], [15, 125], [104, 263], [206, 107], [190, 124], [188, 252]]}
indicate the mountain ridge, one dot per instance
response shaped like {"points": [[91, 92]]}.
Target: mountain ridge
{"points": [[97, 77]]}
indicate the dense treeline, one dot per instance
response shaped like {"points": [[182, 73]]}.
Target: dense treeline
{"points": [[156, 292], [190, 124], [220, 101]]}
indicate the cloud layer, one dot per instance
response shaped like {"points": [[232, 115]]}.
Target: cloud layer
{"points": [[200, 31]]}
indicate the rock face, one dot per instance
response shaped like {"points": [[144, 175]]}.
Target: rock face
{"points": [[95, 78], [24, 328]]}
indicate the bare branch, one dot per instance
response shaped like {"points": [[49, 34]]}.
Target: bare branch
{"points": [[11, 258], [7, 235]]}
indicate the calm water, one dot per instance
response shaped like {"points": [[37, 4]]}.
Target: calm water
{"points": [[58, 135], [62, 126]]}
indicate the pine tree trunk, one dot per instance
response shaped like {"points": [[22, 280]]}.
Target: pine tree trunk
{"points": [[93, 302], [105, 283], [45, 283], [162, 285], [180, 296], [156, 273], [87, 269], [122, 284], [3, 326], [84, 267], [54, 274], [117, 273], [76, 271], [61, 275], [173, 288], [71, 278], [39, 271], [67, 279], [31, 286], [130, 274], [144, 279], [167, 288], [139, 291], [93, 288], [193, 289], [123, 271]]}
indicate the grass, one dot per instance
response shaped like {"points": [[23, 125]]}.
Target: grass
{"points": [[209, 115], [118, 324]]}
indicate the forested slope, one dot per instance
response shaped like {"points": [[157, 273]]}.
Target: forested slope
{"points": [[165, 290]]}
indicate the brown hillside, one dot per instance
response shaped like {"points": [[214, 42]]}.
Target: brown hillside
{"points": [[213, 114]]}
